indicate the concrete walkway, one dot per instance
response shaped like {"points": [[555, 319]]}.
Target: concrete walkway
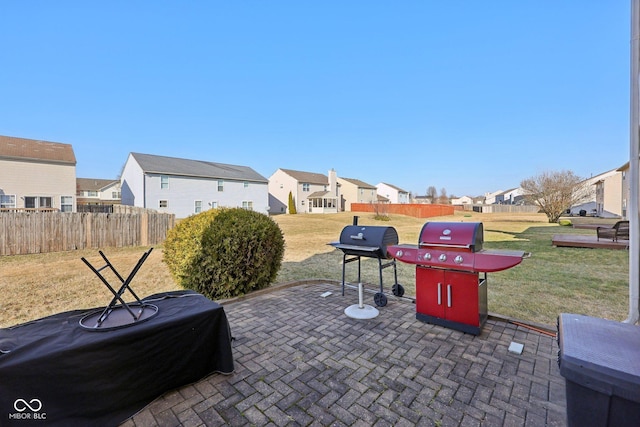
{"points": [[301, 362]]}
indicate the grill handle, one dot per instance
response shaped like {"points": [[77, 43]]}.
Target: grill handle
{"points": [[358, 236], [449, 296], [439, 293], [443, 245]]}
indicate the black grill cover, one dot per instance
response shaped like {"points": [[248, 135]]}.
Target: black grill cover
{"points": [[370, 241]]}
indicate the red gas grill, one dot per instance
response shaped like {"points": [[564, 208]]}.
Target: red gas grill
{"points": [[449, 259]]}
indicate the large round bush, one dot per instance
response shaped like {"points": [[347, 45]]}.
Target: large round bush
{"points": [[240, 251], [184, 243]]}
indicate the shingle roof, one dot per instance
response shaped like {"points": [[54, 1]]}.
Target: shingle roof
{"points": [[196, 168], [359, 184], [394, 187], [30, 149], [307, 177], [91, 184]]}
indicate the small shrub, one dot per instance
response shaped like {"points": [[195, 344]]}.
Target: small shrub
{"points": [[184, 243], [565, 222], [241, 251]]}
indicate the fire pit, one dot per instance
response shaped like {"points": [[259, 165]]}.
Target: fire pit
{"points": [[358, 241], [449, 259]]}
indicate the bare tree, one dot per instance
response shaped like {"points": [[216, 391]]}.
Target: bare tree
{"points": [[554, 192], [432, 194], [443, 199]]}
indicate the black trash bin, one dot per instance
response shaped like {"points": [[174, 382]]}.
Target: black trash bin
{"points": [[600, 361]]}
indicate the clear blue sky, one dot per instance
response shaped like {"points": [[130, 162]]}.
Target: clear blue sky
{"points": [[472, 96]]}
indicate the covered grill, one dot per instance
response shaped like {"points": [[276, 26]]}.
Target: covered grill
{"points": [[368, 241], [449, 259]]}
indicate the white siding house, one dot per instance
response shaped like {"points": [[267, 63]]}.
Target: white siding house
{"points": [[393, 193], [37, 175], [311, 192], [185, 187], [91, 191]]}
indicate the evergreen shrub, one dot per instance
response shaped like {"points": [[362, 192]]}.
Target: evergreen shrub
{"points": [[239, 251]]}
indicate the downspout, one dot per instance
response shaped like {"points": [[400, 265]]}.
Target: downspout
{"points": [[634, 168]]}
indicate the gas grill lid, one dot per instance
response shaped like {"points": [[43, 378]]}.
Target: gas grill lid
{"points": [[370, 241], [468, 235]]}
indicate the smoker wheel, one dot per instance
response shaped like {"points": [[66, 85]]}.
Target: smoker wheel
{"points": [[380, 299], [398, 290]]}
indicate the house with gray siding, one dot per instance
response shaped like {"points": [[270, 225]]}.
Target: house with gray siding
{"points": [[185, 187]]}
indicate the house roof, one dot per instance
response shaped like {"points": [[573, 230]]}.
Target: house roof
{"points": [[358, 183], [394, 187], [33, 150], [196, 168], [322, 195], [92, 184], [307, 177]]}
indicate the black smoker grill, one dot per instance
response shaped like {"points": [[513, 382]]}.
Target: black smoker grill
{"points": [[368, 241]]}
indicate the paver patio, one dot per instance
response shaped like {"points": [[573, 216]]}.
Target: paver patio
{"points": [[300, 361]]}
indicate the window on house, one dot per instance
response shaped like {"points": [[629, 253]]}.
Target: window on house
{"points": [[7, 201], [197, 208], [92, 193], [45, 202], [214, 205], [305, 186], [220, 185], [116, 195], [164, 182], [246, 184], [163, 204], [248, 205], [66, 203]]}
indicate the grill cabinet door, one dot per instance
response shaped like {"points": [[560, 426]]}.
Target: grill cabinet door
{"points": [[448, 295]]}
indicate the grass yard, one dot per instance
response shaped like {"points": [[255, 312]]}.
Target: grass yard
{"points": [[553, 280]]}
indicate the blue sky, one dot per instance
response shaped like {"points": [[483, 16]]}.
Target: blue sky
{"points": [[471, 96]]}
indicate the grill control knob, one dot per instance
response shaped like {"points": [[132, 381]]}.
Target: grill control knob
{"points": [[458, 260], [399, 254], [427, 256], [442, 257]]}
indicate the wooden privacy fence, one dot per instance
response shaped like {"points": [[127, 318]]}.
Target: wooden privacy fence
{"points": [[417, 210], [41, 232]]}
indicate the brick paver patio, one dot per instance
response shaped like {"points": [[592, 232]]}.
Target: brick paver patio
{"points": [[301, 362]]}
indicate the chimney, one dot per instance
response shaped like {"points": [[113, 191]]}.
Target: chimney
{"points": [[333, 182]]}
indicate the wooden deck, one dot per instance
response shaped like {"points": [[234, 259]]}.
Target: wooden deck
{"points": [[587, 241]]}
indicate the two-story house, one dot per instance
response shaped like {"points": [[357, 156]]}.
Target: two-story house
{"points": [[392, 193], [185, 187], [97, 192], [311, 192], [356, 191], [37, 175]]}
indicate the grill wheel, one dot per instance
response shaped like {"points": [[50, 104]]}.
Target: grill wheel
{"points": [[398, 290], [380, 299]]}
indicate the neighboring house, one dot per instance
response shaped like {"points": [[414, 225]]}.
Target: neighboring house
{"points": [[37, 175], [92, 191], [185, 187], [311, 192], [464, 200], [625, 190], [609, 196], [490, 198], [589, 188], [356, 191], [423, 200], [393, 193], [514, 196]]}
